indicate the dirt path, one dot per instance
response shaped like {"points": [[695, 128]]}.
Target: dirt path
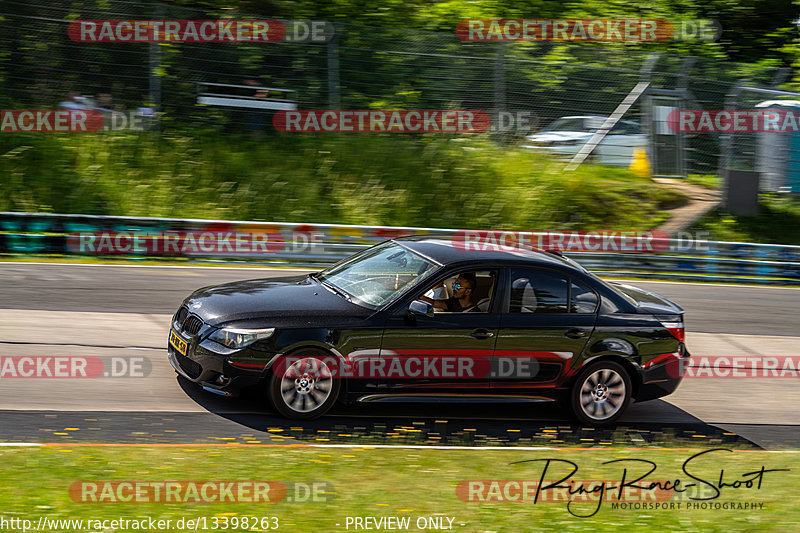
{"points": [[701, 201]]}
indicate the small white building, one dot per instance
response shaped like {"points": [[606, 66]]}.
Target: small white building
{"points": [[778, 153]]}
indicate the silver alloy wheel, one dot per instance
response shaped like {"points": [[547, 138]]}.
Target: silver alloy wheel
{"points": [[602, 394], [306, 384]]}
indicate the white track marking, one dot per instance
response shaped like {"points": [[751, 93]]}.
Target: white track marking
{"points": [[282, 269]]}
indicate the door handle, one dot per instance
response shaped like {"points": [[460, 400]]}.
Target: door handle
{"points": [[482, 334], [575, 333]]}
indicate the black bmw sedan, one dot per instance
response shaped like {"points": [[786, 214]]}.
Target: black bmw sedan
{"points": [[420, 319]]}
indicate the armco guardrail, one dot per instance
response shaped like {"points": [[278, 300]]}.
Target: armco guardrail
{"points": [[317, 244]]}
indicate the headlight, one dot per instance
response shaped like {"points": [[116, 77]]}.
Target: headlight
{"points": [[239, 338]]}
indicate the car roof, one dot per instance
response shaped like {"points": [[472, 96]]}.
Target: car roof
{"points": [[447, 251], [625, 120]]}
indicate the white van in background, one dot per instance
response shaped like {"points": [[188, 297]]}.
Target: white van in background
{"points": [[565, 136]]}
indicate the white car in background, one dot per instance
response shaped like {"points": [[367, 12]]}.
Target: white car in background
{"points": [[566, 135]]}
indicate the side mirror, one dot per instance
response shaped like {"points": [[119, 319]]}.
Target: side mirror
{"points": [[420, 308]]}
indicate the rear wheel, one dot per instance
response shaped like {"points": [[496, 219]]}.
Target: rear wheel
{"points": [[304, 386], [601, 393]]}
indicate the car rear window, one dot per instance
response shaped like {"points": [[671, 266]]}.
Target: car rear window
{"points": [[537, 291], [582, 298]]}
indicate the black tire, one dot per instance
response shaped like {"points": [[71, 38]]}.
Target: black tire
{"points": [[601, 393], [304, 386]]}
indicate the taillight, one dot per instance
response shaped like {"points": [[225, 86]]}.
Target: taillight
{"points": [[676, 328]]}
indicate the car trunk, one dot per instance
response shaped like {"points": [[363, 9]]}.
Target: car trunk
{"points": [[649, 302]]}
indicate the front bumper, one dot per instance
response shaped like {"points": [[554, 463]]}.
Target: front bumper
{"points": [[213, 372]]}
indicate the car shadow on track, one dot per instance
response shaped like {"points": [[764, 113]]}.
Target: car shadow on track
{"points": [[652, 422]]}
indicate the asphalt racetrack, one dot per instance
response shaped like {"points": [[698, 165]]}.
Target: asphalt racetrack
{"points": [[124, 311]]}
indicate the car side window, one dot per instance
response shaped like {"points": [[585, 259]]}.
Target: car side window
{"points": [[582, 299], [537, 291], [450, 297]]}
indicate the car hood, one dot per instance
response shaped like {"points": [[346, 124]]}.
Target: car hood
{"points": [[283, 298]]}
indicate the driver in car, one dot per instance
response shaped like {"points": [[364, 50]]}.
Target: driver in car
{"points": [[461, 300]]}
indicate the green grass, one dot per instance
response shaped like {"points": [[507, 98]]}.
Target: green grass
{"points": [[395, 482], [380, 179], [777, 223], [709, 181]]}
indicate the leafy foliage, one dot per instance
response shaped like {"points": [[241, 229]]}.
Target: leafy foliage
{"points": [[389, 180]]}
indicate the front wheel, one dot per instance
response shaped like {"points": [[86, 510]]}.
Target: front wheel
{"points": [[601, 393], [305, 388]]}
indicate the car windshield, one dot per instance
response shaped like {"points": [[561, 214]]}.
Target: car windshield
{"points": [[378, 275], [579, 124]]}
